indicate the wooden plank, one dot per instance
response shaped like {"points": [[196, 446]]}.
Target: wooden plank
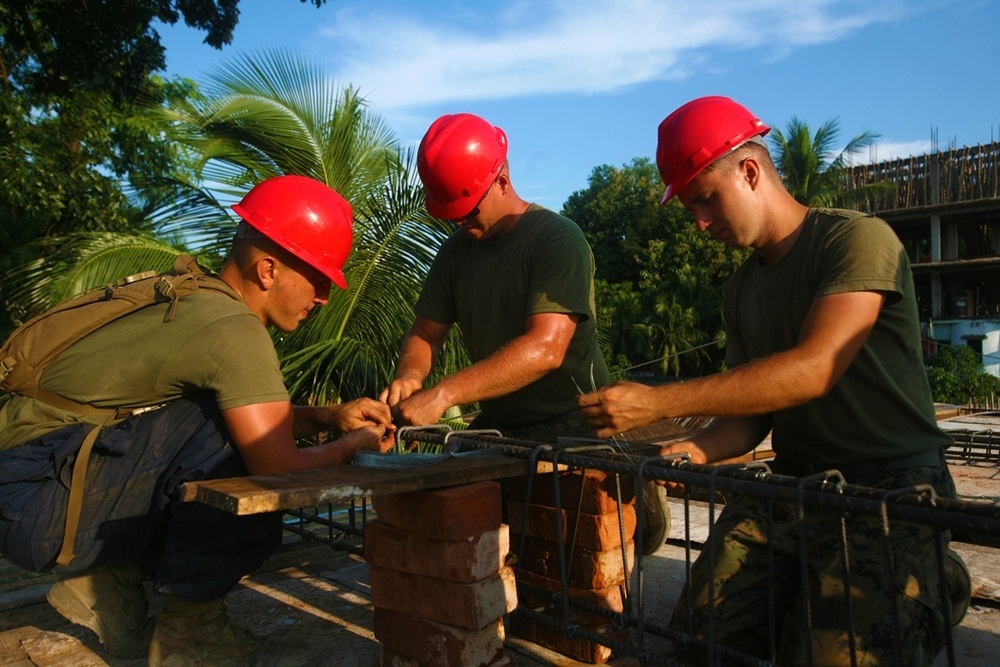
{"points": [[252, 495]]}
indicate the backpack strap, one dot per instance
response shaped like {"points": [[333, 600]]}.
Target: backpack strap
{"points": [[74, 507], [171, 288]]}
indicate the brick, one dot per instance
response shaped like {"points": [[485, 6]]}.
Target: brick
{"points": [[463, 560], [555, 638], [600, 494], [453, 513], [464, 605], [533, 590], [599, 532], [587, 569], [434, 644]]}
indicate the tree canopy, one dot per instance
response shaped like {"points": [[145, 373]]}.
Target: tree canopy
{"points": [[659, 280], [259, 117], [812, 169], [78, 91]]}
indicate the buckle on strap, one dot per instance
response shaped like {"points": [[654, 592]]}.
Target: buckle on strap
{"points": [[6, 366]]}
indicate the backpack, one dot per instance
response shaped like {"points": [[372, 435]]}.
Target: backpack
{"points": [[37, 342], [40, 340]]}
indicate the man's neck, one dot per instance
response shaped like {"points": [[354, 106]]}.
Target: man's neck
{"points": [[789, 220]]}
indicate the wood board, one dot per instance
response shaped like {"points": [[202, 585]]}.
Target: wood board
{"points": [[253, 495]]}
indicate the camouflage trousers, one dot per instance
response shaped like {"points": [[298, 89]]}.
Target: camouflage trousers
{"points": [[750, 592]]}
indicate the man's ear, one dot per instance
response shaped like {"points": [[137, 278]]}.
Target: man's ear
{"points": [[751, 171], [503, 181], [265, 269]]}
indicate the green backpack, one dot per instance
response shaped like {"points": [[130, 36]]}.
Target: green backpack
{"points": [[37, 342]]}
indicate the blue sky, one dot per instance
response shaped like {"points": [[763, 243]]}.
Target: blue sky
{"points": [[581, 83]]}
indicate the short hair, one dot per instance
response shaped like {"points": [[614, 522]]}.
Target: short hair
{"points": [[754, 146], [249, 244]]}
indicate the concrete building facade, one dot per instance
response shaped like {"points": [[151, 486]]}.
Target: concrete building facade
{"points": [[945, 207]]}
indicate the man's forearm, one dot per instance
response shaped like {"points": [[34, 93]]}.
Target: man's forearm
{"points": [[417, 357], [310, 420], [512, 367], [724, 438]]}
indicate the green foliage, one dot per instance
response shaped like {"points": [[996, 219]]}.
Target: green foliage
{"points": [[956, 376], [813, 172], [659, 288], [276, 114], [619, 212], [260, 117], [77, 132]]}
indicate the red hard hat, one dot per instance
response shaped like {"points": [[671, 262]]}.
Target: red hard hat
{"points": [[306, 218], [458, 160], [697, 134]]}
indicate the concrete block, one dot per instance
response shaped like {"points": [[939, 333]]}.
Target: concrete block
{"points": [[453, 513], [464, 605], [463, 560], [434, 644]]}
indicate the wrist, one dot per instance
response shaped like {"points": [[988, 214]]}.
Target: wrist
{"points": [[444, 397]]}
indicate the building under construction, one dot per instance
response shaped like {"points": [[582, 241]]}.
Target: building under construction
{"points": [[945, 207]]}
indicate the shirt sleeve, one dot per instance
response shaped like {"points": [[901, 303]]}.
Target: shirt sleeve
{"points": [[234, 357], [562, 275], [862, 253]]}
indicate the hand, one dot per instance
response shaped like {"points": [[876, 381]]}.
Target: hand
{"points": [[619, 407], [369, 438], [399, 390], [420, 409], [695, 455], [363, 412]]}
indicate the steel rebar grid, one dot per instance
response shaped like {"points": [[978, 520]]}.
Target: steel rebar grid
{"points": [[825, 491]]}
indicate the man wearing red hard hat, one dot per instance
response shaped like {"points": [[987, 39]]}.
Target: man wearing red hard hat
{"points": [[823, 339], [213, 404], [519, 280]]}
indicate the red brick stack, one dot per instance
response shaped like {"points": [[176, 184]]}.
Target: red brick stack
{"points": [[439, 582], [596, 572]]}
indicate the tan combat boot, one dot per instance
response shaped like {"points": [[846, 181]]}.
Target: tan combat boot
{"points": [[198, 634], [958, 584], [110, 600], [655, 520]]}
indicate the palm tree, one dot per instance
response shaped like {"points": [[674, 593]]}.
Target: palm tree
{"points": [[260, 117], [813, 172]]}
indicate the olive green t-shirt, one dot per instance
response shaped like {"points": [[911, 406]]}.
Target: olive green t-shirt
{"points": [[489, 287], [213, 344], [882, 406]]}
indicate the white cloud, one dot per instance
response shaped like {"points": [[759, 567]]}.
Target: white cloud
{"points": [[566, 46], [889, 150]]}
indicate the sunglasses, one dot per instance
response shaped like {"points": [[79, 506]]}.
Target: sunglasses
{"points": [[475, 210]]}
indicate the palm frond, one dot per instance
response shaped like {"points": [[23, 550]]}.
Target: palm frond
{"points": [[261, 116], [81, 262], [811, 167]]}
